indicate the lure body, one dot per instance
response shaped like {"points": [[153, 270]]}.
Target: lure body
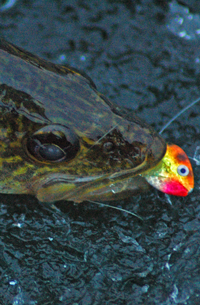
{"points": [[61, 139]]}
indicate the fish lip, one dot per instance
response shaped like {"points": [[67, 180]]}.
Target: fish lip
{"points": [[63, 187], [49, 181]]}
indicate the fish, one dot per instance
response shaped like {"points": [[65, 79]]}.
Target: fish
{"points": [[61, 139]]}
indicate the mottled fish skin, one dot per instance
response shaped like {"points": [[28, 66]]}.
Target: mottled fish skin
{"points": [[113, 145]]}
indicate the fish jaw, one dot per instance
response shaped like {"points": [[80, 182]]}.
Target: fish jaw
{"points": [[173, 175]]}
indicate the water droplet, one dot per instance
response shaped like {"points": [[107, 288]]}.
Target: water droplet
{"points": [[182, 23], [83, 58], [13, 283], [179, 20], [62, 58], [145, 288], [116, 277]]}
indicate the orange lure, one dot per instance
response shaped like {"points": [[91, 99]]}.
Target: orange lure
{"points": [[173, 175]]}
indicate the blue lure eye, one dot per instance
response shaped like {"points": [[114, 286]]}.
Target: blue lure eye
{"points": [[183, 170]]}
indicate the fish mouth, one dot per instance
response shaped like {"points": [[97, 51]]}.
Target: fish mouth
{"points": [[64, 187], [59, 186]]}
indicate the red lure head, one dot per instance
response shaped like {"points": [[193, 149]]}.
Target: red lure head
{"points": [[173, 175]]}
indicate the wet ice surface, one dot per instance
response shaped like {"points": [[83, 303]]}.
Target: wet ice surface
{"points": [[92, 255], [96, 254], [182, 22]]}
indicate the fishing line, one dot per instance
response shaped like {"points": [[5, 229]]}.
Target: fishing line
{"points": [[178, 114], [116, 208]]}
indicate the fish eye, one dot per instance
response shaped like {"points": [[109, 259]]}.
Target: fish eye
{"points": [[183, 170], [53, 143]]}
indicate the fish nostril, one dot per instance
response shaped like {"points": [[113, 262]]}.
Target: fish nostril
{"points": [[108, 147]]}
